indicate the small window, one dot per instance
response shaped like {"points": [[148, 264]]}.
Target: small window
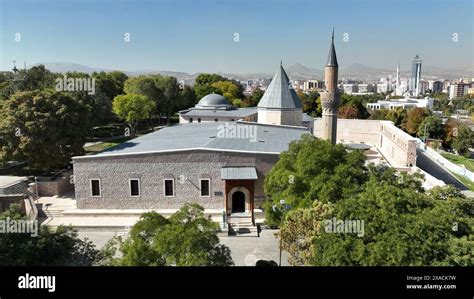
{"points": [[134, 187], [232, 120], [191, 120], [169, 187], [205, 184], [216, 120], [199, 120], [95, 187]]}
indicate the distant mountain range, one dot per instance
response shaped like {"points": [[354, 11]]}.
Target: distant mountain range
{"points": [[297, 71]]}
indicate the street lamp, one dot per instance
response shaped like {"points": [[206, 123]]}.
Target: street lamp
{"points": [[283, 208]]}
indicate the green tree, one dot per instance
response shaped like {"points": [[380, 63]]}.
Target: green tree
{"points": [[132, 108], [348, 112], [464, 140], [403, 226], [187, 238], [415, 117], [254, 98], [227, 89], [312, 169], [59, 248], [432, 126], [45, 128], [397, 116], [203, 84]]}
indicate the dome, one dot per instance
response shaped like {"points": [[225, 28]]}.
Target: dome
{"points": [[213, 101]]}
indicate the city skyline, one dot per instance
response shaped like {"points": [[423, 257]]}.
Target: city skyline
{"points": [[244, 37]]}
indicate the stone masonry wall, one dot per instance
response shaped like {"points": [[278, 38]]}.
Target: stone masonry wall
{"points": [[114, 174]]}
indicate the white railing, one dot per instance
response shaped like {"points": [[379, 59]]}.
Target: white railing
{"points": [[435, 156]]}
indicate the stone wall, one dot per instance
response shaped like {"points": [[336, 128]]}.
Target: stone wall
{"points": [[151, 169], [59, 186], [396, 146], [280, 117]]}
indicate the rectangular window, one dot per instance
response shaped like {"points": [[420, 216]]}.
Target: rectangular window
{"points": [[134, 187], [205, 186], [169, 187], [199, 120], [95, 187], [191, 120]]}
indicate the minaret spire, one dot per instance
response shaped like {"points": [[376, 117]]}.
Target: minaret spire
{"points": [[330, 96]]}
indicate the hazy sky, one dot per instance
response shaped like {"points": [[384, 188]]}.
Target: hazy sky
{"points": [[197, 36]]}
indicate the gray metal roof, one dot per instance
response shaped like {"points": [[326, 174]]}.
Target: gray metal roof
{"points": [[216, 136], [238, 173], [237, 113], [279, 94], [213, 100]]}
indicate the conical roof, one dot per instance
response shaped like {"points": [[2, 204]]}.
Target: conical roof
{"points": [[332, 59], [279, 93]]}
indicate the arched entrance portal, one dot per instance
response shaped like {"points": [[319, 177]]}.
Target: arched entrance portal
{"points": [[238, 202]]}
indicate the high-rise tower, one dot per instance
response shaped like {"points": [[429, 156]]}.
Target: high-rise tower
{"points": [[415, 76], [330, 97]]}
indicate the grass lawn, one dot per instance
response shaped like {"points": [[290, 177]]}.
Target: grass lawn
{"points": [[465, 181], [469, 163]]}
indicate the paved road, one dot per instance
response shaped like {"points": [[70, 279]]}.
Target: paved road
{"points": [[431, 167]]}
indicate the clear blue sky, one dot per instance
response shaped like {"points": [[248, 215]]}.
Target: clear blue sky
{"points": [[198, 35]]}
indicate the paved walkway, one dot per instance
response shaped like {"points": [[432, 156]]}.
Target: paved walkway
{"points": [[246, 251]]}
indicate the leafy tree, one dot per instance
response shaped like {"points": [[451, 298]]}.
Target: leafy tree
{"points": [[397, 116], [357, 102], [312, 169], [403, 226], [300, 229], [108, 86], [59, 248], [37, 77], [254, 98], [228, 89], [187, 238], [348, 112], [415, 117], [132, 108], [188, 98], [464, 140], [380, 114], [203, 84], [433, 126], [45, 128]]}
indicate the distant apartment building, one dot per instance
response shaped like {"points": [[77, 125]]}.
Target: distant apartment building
{"points": [[366, 88], [435, 86], [458, 90], [313, 84], [382, 87], [350, 88], [405, 103]]}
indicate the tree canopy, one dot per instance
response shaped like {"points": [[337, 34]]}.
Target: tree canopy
{"points": [[132, 108], [312, 169], [187, 238], [59, 248], [45, 128]]}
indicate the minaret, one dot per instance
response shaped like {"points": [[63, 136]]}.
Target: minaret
{"points": [[330, 97], [397, 82]]}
